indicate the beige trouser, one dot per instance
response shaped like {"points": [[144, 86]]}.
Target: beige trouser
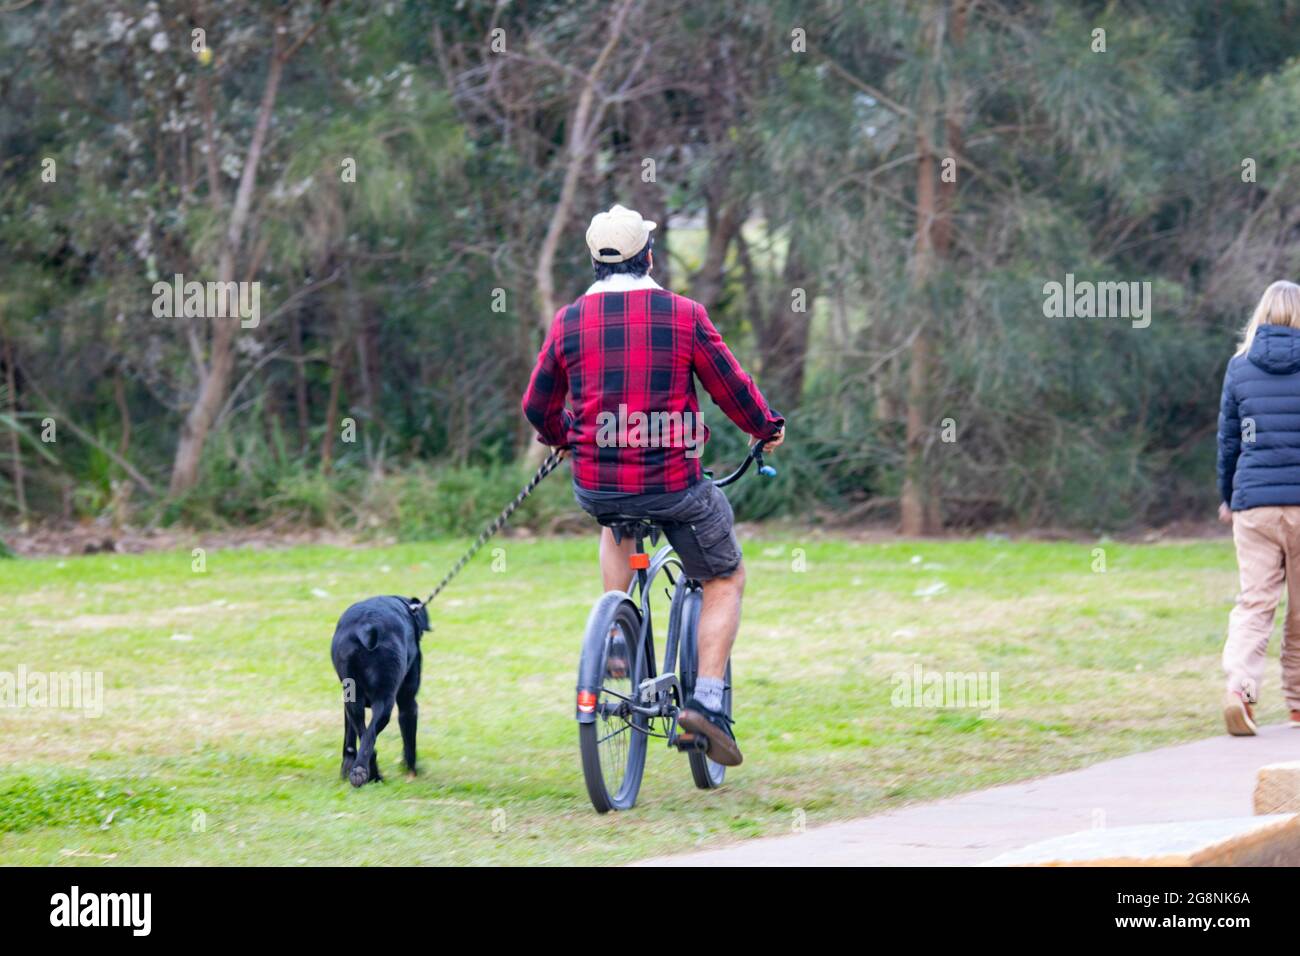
{"points": [[1268, 546]]}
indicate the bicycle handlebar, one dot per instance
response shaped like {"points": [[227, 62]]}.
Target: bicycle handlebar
{"points": [[755, 456]]}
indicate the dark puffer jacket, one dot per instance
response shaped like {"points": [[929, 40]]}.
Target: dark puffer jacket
{"points": [[1261, 393]]}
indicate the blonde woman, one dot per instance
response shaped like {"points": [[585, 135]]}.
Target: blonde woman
{"points": [[1259, 492]]}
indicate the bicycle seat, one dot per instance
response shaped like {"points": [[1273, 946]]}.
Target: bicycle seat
{"points": [[611, 520], [631, 526]]}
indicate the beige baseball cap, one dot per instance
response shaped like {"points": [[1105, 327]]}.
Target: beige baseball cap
{"points": [[618, 234]]}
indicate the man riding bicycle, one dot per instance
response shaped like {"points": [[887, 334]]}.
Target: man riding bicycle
{"points": [[625, 353]]}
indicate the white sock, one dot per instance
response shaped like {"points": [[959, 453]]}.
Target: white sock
{"points": [[708, 691]]}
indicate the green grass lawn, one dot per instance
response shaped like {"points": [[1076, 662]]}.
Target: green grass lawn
{"points": [[220, 737]]}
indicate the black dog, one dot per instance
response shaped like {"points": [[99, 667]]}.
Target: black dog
{"points": [[376, 652]]}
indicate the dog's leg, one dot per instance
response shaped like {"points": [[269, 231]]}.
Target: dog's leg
{"points": [[354, 717], [408, 712], [367, 764]]}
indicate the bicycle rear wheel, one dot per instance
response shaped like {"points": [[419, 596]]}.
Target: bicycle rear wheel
{"points": [[612, 738], [707, 773]]}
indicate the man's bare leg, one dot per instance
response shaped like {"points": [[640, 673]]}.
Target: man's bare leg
{"points": [[720, 622], [616, 575], [615, 571]]}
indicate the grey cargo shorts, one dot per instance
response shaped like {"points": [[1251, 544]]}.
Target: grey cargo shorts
{"points": [[698, 523]]}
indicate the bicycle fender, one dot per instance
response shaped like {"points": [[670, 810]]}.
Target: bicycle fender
{"points": [[593, 643]]}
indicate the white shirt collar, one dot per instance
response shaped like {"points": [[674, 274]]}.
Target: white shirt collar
{"points": [[621, 282]]}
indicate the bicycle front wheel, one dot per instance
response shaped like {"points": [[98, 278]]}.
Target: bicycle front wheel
{"points": [[611, 737]]}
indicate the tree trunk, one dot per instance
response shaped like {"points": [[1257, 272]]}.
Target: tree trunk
{"points": [[649, 200], [332, 407], [123, 412], [15, 442], [724, 220], [783, 333], [299, 381], [915, 509], [362, 322], [212, 395], [943, 222]]}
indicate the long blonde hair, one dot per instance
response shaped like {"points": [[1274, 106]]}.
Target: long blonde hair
{"points": [[1279, 305]]}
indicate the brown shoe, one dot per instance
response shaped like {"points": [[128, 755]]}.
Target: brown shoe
{"points": [[1238, 715], [695, 718], [1295, 718]]}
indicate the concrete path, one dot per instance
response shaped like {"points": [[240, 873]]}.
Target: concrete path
{"points": [[1202, 780]]}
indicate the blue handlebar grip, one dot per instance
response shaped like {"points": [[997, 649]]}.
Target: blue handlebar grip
{"points": [[767, 471]]}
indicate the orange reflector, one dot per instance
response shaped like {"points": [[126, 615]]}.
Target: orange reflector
{"points": [[638, 562], [586, 702]]}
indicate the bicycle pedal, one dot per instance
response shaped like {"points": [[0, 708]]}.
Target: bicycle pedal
{"points": [[688, 742]]}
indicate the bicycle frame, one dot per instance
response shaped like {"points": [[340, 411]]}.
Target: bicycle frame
{"points": [[639, 591]]}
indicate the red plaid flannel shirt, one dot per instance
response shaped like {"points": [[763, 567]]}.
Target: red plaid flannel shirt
{"points": [[637, 349]]}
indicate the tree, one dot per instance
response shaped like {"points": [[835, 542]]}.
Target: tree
{"points": [[214, 364]]}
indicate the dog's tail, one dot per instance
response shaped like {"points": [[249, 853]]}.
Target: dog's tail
{"points": [[368, 635]]}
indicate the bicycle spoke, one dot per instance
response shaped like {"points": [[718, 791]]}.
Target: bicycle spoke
{"points": [[614, 741], [615, 733]]}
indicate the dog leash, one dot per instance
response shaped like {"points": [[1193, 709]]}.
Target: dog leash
{"points": [[549, 465]]}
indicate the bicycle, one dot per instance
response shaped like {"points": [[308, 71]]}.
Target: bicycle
{"points": [[615, 723]]}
